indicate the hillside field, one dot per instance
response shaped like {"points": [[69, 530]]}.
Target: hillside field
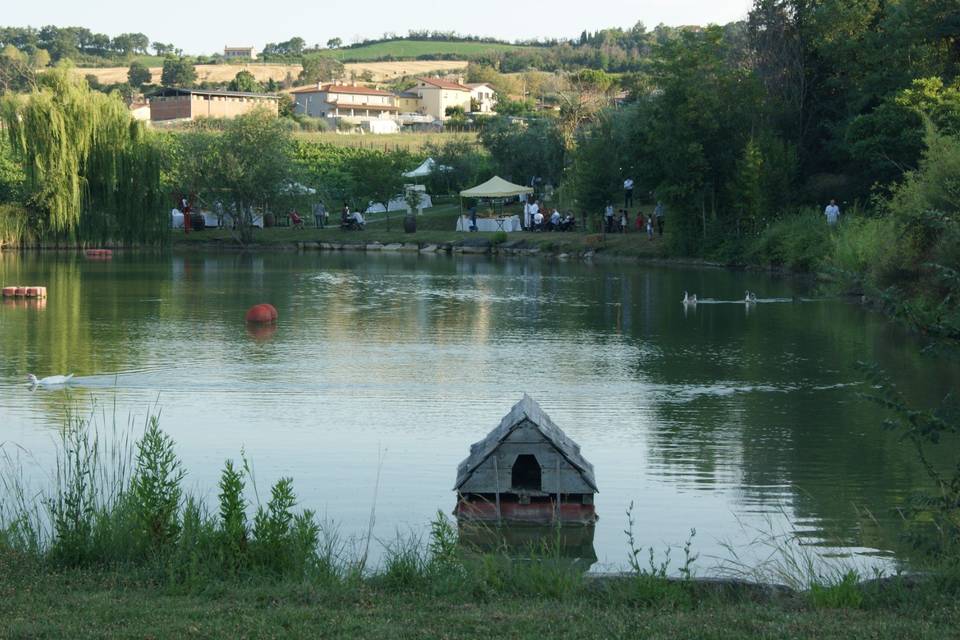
{"points": [[381, 71], [411, 49]]}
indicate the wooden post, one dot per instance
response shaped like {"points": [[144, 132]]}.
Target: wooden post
{"points": [[496, 473], [558, 489]]}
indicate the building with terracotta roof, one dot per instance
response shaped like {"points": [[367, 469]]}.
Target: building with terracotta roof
{"points": [[437, 95], [355, 104]]}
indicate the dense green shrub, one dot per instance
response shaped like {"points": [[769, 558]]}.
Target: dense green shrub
{"points": [[799, 242]]}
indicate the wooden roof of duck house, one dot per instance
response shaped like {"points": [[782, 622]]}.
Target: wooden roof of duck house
{"points": [[527, 412]]}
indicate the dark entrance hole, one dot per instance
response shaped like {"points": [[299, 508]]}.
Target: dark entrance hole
{"points": [[526, 473]]}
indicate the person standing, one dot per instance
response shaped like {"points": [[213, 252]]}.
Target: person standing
{"points": [[832, 212], [534, 210], [658, 214], [608, 217], [319, 214], [624, 220], [628, 193], [526, 213]]}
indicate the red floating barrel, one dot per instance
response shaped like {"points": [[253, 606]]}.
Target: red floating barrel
{"points": [[261, 314], [9, 292], [20, 292]]}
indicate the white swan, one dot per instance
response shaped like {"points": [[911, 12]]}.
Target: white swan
{"points": [[688, 299], [749, 297], [49, 381]]}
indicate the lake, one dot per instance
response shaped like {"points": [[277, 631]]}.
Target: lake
{"points": [[742, 422]]}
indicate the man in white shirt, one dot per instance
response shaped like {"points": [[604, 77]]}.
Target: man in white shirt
{"points": [[628, 193], [526, 214], [538, 220], [832, 212], [534, 210], [555, 219], [608, 217]]}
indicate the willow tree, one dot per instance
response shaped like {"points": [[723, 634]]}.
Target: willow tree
{"points": [[92, 171]]}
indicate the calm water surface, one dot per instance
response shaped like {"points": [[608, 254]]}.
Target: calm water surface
{"points": [[737, 421]]}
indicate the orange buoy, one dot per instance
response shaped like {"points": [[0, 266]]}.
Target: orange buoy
{"points": [[261, 314], [9, 292]]}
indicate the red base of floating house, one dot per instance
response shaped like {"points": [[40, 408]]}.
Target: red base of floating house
{"points": [[539, 513]]}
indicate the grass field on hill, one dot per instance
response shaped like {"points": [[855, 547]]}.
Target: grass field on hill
{"points": [[416, 48], [381, 71]]}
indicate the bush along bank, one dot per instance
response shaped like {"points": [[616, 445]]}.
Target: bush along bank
{"points": [[118, 530], [904, 257]]}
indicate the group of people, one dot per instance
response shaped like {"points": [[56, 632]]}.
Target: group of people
{"points": [[619, 221], [534, 218], [351, 220]]}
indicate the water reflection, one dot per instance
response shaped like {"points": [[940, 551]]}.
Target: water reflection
{"points": [[572, 546]]}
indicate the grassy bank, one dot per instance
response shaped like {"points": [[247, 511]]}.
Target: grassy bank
{"points": [[435, 227], [95, 604]]}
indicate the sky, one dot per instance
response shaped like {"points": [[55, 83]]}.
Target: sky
{"points": [[205, 27]]}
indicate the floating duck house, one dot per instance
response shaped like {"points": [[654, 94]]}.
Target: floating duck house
{"points": [[527, 470]]}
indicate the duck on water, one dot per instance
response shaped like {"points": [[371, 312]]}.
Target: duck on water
{"points": [[49, 381]]}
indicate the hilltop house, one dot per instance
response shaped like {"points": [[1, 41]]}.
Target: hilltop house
{"points": [[356, 104], [171, 103], [246, 53]]}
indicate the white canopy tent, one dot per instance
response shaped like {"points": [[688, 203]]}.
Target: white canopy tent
{"points": [[495, 187], [426, 168]]}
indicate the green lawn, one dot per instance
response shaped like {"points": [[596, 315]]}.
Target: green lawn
{"points": [[116, 604], [415, 48]]}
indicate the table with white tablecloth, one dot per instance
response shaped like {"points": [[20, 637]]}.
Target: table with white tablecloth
{"points": [[506, 223]]}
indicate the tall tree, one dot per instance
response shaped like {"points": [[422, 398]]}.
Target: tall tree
{"points": [[138, 74], [245, 82], [91, 171], [319, 68], [178, 72]]}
